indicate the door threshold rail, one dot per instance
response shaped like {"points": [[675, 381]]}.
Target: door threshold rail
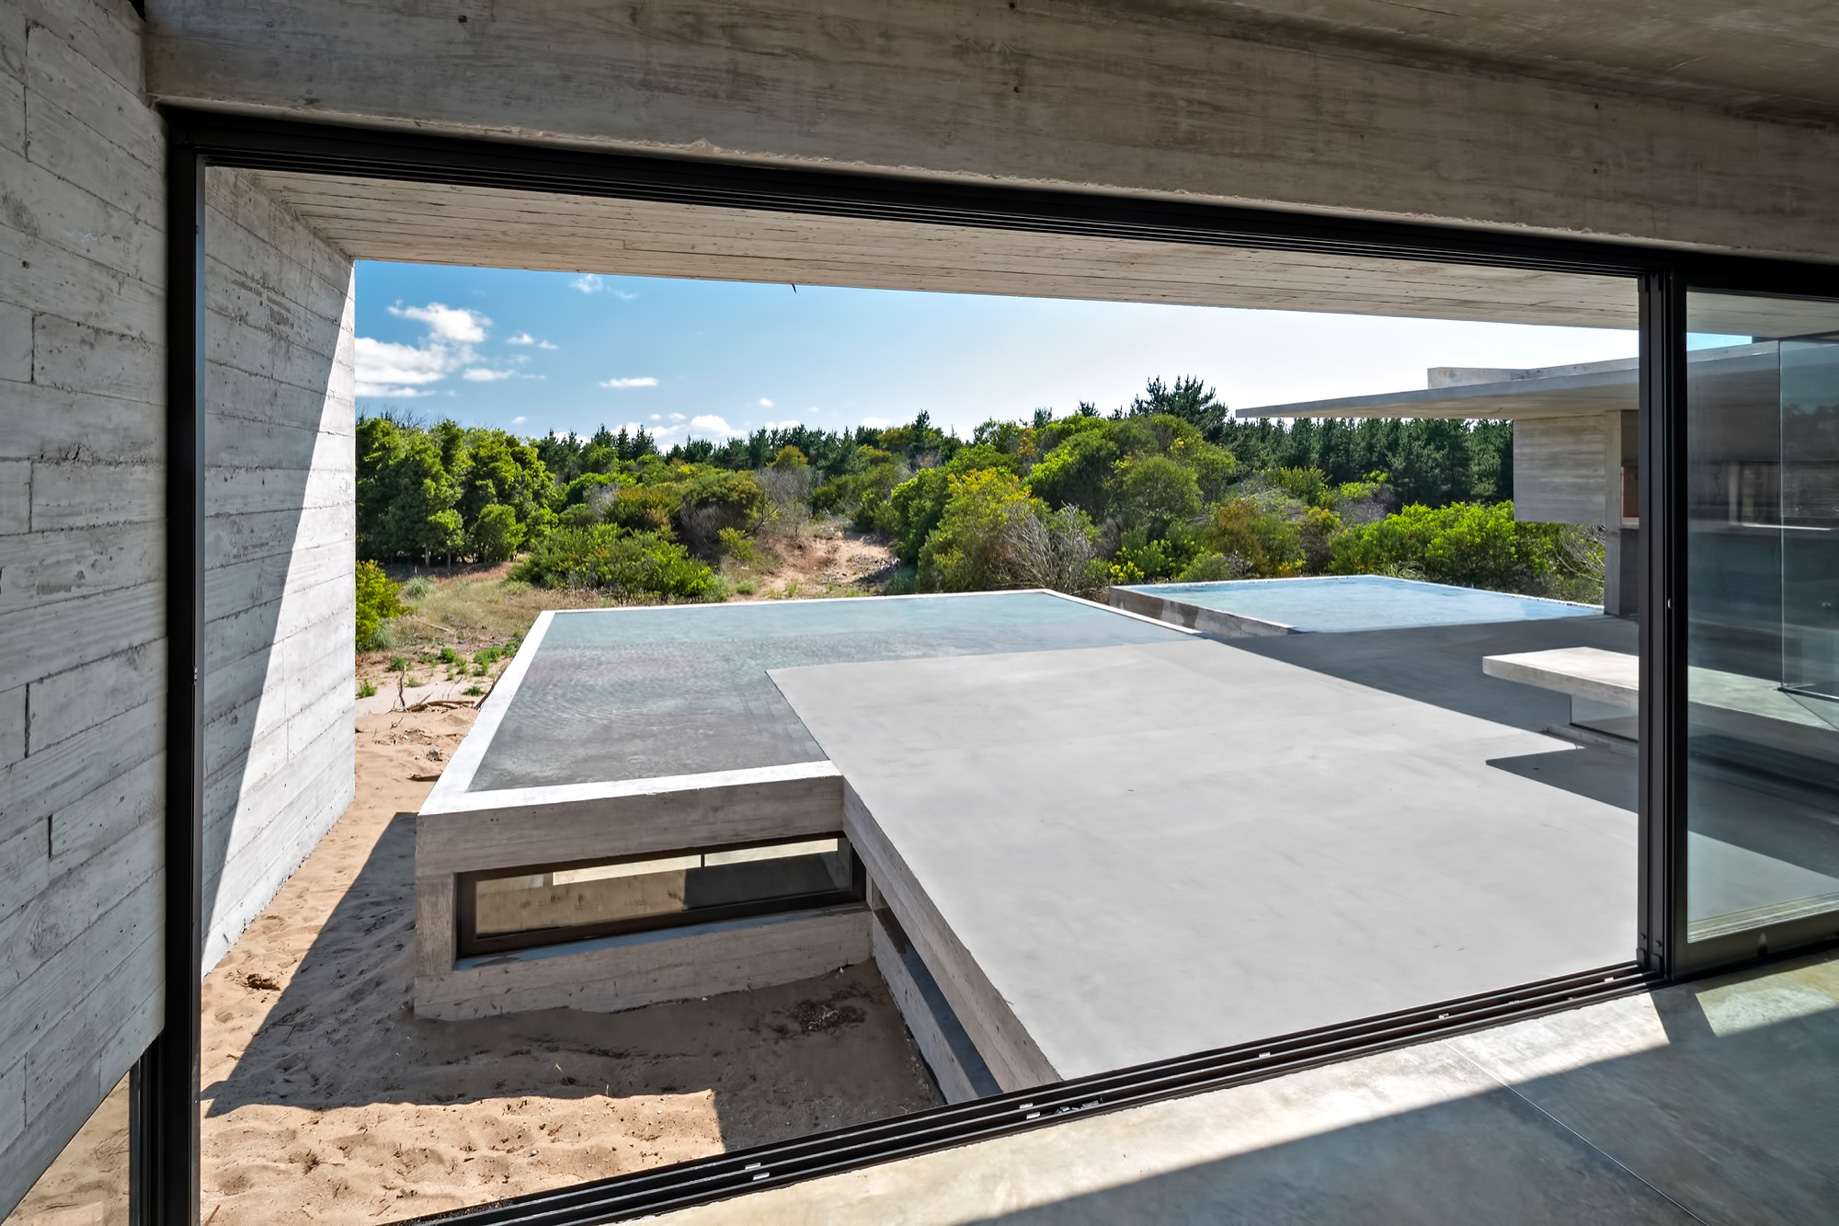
{"points": [[721, 1176]]}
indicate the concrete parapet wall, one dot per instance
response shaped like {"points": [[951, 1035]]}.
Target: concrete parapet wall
{"points": [[1216, 622], [82, 597], [280, 538]]}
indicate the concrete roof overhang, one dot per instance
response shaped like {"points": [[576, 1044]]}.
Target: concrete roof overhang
{"points": [[377, 219], [1737, 373]]}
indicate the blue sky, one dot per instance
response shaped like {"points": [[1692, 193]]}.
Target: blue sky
{"points": [[537, 352]]}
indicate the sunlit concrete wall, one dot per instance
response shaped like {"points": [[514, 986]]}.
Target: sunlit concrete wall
{"points": [[280, 533], [82, 548], [1144, 97]]}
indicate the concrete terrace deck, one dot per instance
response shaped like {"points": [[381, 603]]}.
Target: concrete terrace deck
{"points": [[1118, 842], [1114, 855]]}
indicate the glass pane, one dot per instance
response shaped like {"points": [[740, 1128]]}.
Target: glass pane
{"points": [[88, 1183], [518, 910], [1763, 600]]}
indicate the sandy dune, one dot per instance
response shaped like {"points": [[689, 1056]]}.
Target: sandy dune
{"points": [[325, 1100]]}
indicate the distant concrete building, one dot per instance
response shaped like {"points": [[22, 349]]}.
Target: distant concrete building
{"points": [[1576, 446]]}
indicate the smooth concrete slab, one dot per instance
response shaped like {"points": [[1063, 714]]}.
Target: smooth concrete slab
{"points": [[1705, 1103], [607, 695], [1157, 849]]}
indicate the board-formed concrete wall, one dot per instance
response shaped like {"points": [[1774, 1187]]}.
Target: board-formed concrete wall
{"points": [[280, 533], [82, 547], [1152, 98]]}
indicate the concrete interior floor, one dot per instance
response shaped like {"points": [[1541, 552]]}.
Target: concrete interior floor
{"points": [[1707, 1102]]}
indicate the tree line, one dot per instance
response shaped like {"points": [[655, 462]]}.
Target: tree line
{"points": [[1165, 487]]}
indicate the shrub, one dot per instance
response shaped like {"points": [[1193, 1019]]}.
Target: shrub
{"points": [[1156, 491], [1266, 543], [379, 598], [1075, 473], [739, 546], [629, 566], [914, 509], [366, 689], [495, 534], [417, 588], [1475, 545], [713, 499], [972, 549], [1057, 550], [789, 457], [1214, 568]]}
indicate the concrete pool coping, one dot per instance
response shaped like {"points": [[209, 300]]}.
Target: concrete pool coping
{"points": [[1165, 602], [462, 831]]}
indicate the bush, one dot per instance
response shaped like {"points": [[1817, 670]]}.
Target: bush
{"points": [[1057, 550], [1155, 491], [1214, 568], [417, 588], [379, 599], [495, 534], [972, 549], [713, 499], [1476, 545], [914, 509], [1076, 472], [626, 565], [1266, 543]]}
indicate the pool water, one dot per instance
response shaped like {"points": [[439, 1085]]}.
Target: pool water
{"points": [[636, 693], [1329, 603]]}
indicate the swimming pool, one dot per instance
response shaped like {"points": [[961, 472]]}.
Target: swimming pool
{"points": [[1337, 603]]}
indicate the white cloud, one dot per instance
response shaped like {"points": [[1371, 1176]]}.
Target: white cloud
{"points": [[623, 296], [676, 417], [765, 403], [589, 283], [390, 368], [655, 417], [876, 423], [448, 323], [480, 374], [709, 421], [518, 421], [780, 425], [524, 338], [386, 368], [636, 381], [547, 345]]}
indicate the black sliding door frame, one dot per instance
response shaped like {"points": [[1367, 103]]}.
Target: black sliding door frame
{"points": [[1664, 405], [167, 1141]]}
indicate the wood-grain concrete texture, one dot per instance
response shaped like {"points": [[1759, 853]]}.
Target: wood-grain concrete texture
{"points": [[456, 224], [1615, 131], [1705, 1103], [82, 601], [1115, 855], [280, 536]]}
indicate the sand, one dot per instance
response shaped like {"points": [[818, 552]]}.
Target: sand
{"points": [[325, 1100]]}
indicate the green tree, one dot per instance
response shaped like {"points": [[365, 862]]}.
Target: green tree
{"points": [[1155, 491], [1077, 473], [1187, 398], [379, 599], [495, 534], [973, 548]]}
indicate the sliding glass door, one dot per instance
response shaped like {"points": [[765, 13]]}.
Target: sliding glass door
{"points": [[1762, 624]]}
